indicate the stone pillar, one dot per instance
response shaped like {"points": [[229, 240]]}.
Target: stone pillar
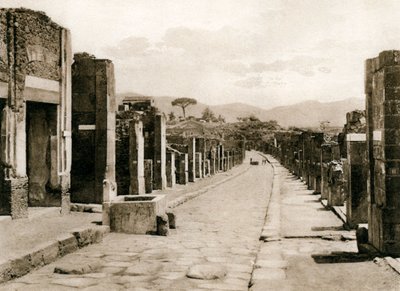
{"points": [[201, 148], [170, 169], [192, 159], [243, 149], [64, 137], [148, 175], [218, 159], [326, 157], [199, 165], [136, 158], [316, 141], [383, 141], [213, 161], [182, 164], [207, 168], [93, 109], [159, 176], [222, 157], [357, 201], [336, 194]]}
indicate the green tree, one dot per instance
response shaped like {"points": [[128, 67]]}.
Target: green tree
{"points": [[183, 103]]}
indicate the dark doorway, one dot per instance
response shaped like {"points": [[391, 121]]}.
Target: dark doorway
{"points": [[41, 135]]}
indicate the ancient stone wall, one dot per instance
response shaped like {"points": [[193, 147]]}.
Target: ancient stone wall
{"points": [[382, 84], [35, 59]]}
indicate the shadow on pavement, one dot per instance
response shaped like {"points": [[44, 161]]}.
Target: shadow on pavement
{"points": [[341, 257]]}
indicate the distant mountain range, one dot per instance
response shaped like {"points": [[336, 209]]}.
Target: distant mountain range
{"points": [[304, 114]]}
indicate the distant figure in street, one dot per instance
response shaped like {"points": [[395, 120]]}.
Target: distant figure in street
{"points": [[264, 162]]}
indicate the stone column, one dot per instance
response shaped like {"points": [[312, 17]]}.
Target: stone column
{"points": [[326, 157], [213, 161], [64, 138], [383, 141], [357, 201], [199, 165], [148, 175], [170, 169], [192, 159], [201, 148], [136, 158], [181, 163], [159, 176], [218, 158]]}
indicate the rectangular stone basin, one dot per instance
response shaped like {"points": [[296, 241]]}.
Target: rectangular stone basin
{"points": [[137, 214]]}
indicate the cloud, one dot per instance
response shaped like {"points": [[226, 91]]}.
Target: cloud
{"points": [[129, 47], [303, 65], [225, 43], [250, 83]]}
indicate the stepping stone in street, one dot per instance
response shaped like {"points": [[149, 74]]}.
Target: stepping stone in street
{"points": [[74, 268], [206, 272]]}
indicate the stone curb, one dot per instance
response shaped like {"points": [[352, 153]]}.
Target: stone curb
{"points": [[335, 209], [191, 195], [271, 229], [393, 263], [265, 271], [48, 252]]}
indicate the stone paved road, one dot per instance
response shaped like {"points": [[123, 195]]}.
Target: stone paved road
{"points": [[311, 254], [218, 232]]}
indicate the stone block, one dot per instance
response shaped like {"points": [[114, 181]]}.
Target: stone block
{"points": [[44, 254], [137, 214], [207, 272], [162, 225], [83, 236], [66, 244], [171, 219], [20, 266], [148, 175]]}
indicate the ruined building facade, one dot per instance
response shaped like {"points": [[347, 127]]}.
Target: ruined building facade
{"points": [[35, 108]]}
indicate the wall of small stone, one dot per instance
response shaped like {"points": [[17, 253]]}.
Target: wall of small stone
{"points": [[122, 152]]}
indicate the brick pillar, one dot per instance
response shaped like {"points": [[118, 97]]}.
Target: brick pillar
{"points": [[148, 175], [383, 140], [170, 169], [192, 159], [136, 158], [159, 176], [357, 202]]}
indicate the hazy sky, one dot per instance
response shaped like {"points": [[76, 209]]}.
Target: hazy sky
{"points": [[261, 52]]}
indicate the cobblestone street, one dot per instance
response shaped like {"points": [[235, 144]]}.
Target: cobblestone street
{"points": [[217, 232], [216, 246]]}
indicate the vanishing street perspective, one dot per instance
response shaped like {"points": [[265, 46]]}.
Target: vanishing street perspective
{"points": [[262, 152]]}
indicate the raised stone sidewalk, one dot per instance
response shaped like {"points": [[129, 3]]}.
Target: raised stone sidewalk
{"points": [[27, 244], [213, 248]]}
